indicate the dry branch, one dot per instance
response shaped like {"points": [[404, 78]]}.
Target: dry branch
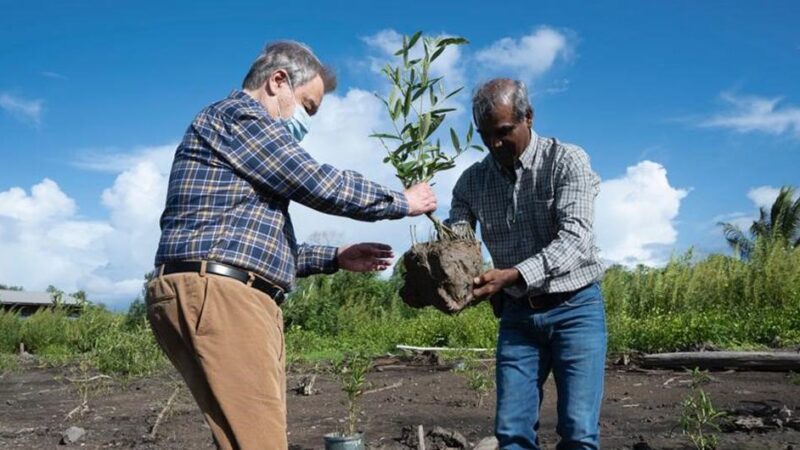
{"points": [[766, 361], [164, 412]]}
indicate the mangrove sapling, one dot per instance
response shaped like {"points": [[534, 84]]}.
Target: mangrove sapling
{"points": [[438, 272]]}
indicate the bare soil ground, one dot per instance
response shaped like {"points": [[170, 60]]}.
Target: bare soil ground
{"points": [[640, 406]]}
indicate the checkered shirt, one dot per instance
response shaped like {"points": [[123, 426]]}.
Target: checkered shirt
{"points": [[232, 179], [538, 219]]}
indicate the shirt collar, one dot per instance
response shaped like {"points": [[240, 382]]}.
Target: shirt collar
{"points": [[526, 158], [249, 101]]}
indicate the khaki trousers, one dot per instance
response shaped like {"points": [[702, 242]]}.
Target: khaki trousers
{"points": [[226, 340]]}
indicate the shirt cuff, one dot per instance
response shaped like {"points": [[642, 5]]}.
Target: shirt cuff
{"points": [[532, 271], [397, 207], [317, 259]]}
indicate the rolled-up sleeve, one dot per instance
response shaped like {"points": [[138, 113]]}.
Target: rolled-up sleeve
{"points": [[461, 213]]}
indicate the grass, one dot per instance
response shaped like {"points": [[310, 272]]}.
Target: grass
{"points": [[718, 301], [108, 341]]}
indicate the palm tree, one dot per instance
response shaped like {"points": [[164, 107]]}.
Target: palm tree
{"points": [[781, 224]]}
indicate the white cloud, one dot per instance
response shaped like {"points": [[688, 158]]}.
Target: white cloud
{"points": [[756, 114], [54, 75], [450, 64], [635, 215], [45, 241], [339, 135], [763, 196], [529, 56], [45, 202], [113, 160], [21, 108]]}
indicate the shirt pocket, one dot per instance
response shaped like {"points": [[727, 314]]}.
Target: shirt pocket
{"points": [[494, 226], [542, 219]]}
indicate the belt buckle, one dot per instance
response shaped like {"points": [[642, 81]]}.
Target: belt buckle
{"points": [[279, 296]]}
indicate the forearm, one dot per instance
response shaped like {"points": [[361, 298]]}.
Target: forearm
{"points": [[314, 259], [568, 251]]}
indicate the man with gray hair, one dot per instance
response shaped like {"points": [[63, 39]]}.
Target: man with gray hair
{"points": [[228, 253], [534, 199]]}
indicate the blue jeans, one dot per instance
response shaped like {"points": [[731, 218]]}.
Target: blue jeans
{"points": [[568, 339]]}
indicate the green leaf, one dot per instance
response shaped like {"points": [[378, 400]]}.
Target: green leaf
{"points": [[437, 53], [452, 41], [454, 92], [442, 110], [407, 103], [405, 50], [385, 136], [469, 133], [414, 39], [425, 126], [399, 107], [418, 93], [454, 137]]}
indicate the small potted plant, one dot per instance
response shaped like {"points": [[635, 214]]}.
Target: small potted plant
{"points": [[351, 372], [439, 272]]}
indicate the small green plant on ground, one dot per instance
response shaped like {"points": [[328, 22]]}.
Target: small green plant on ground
{"points": [[478, 375], [86, 386], [8, 362], [351, 371], [699, 377], [700, 420]]}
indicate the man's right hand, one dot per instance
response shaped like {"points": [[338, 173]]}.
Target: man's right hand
{"points": [[420, 199]]}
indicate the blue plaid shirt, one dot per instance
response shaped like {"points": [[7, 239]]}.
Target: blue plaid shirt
{"points": [[232, 179]]}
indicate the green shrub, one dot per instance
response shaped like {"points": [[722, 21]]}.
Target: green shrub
{"points": [[45, 328], [10, 331], [133, 352]]}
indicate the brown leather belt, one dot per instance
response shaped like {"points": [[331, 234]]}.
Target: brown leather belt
{"points": [[225, 270]]}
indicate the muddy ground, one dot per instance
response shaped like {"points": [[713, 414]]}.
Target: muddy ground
{"points": [[639, 406]]}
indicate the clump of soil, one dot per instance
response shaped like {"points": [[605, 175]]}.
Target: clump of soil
{"points": [[440, 274]]}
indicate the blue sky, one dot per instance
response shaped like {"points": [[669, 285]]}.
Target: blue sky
{"points": [[690, 113]]}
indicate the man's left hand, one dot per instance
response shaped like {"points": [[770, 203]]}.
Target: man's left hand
{"points": [[365, 257], [491, 282]]}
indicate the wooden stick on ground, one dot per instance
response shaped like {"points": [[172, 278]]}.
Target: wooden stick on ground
{"points": [[82, 408], [164, 412], [768, 361], [385, 388], [441, 349]]}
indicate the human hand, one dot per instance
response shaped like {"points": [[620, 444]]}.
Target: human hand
{"points": [[365, 257], [421, 199], [492, 281]]}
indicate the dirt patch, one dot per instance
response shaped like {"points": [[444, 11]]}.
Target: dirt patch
{"points": [[440, 274], [639, 407]]}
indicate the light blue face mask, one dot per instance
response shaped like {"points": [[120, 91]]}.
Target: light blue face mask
{"points": [[299, 123]]}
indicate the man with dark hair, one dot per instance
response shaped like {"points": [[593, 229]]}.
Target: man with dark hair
{"points": [[228, 253], [534, 199]]}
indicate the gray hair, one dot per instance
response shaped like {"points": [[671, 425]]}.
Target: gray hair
{"points": [[500, 91], [295, 58]]}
